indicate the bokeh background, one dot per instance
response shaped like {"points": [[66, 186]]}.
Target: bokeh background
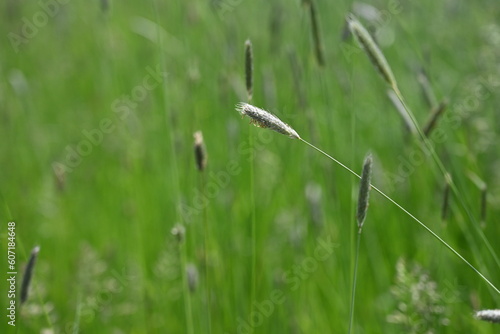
{"points": [[99, 102]]}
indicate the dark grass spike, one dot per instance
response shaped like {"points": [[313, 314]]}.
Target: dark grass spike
{"points": [[318, 46], [249, 68], [427, 90], [200, 153], [434, 117], [28, 273], [367, 43], [364, 191]]}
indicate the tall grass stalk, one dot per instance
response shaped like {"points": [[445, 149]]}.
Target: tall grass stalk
{"points": [[426, 87], [452, 185], [200, 154], [354, 282], [188, 313], [408, 214], [206, 243], [19, 242], [318, 47], [296, 136], [249, 86], [188, 309], [363, 196], [378, 59]]}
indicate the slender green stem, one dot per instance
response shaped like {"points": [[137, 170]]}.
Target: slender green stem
{"points": [[78, 313], [185, 288], [441, 167], [174, 174], [355, 276], [410, 215], [206, 240], [254, 228]]}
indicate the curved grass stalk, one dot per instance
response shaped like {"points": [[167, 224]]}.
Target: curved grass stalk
{"points": [[408, 214], [265, 119], [354, 280], [377, 58], [441, 167]]}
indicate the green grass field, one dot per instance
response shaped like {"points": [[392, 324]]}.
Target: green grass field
{"points": [[98, 111]]}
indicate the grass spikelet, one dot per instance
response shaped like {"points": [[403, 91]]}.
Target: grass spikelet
{"points": [[192, 277], [364, 191], [366, 42], [318, 46], [363, 197], [28, 273], [249, 68], [435, 114], [200, 152], [179, 232], [265, 119], [488, 315]]}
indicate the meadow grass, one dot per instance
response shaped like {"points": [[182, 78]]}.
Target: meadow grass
{"points": [[120, 202]]}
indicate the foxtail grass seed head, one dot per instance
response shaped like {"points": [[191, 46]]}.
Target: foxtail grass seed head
{"points": [[200, 153], [249, 68], [192, 277], [318, 47], [28, 273], [179, 232], [366, 42], [265, 119], [364, 191], [488, 315], [433, 118]]}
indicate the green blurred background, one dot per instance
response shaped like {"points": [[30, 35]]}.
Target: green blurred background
{"points": [[99, 102]]}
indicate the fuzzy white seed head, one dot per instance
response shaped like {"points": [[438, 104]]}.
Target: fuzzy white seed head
{"points": [[366, 42], [265, 119], [489, 315]]}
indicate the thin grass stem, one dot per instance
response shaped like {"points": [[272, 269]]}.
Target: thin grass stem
{"points": [[441, 167], [408, 214], [206, 240], [354, 280]]}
